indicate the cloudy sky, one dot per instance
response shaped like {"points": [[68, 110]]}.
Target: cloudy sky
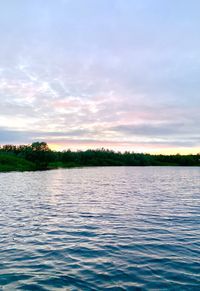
{"points": [[120, 74]]}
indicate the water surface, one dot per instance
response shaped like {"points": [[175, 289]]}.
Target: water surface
{"points": [[115, 228]]}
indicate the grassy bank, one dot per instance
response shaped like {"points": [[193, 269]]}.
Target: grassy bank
{"points": [[9, 162]]}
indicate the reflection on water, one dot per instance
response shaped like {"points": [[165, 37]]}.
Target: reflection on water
{"points": [[100, 228]]}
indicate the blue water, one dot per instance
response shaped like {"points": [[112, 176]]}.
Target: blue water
{"points": [[128, 228]]}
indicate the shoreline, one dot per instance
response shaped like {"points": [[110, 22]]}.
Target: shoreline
{"points": [[83, 167], [38, 156]]}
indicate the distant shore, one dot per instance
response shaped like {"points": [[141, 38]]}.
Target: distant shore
{"points": [[38, 156]]}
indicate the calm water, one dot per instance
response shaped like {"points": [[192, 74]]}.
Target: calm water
{"points": [[128, 228]]}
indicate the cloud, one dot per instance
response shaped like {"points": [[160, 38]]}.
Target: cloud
{"points": [[78, 139], [123, 72], [154, 130]]}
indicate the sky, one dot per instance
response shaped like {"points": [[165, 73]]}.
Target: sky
{"points": [[118, 74]]}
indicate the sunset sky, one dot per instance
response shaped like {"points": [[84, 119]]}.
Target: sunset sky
{"points": [[119, 74]]}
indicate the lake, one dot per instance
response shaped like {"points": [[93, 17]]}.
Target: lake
{"points": [[101, 228]]}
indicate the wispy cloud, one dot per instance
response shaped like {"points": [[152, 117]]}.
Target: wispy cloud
{"points": [[100, 72]]}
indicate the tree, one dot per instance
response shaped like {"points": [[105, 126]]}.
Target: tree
{"points": [[40, 146]]}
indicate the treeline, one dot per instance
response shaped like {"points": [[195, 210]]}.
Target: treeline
{"points": [[39, 156]]}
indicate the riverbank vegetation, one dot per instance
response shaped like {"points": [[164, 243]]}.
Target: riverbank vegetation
{"points": [[38, 156]]}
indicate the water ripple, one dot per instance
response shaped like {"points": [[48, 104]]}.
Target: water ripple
{"points": [[100, 229]]}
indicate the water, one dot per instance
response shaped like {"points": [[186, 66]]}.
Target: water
{"points": [[128, 228]]}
